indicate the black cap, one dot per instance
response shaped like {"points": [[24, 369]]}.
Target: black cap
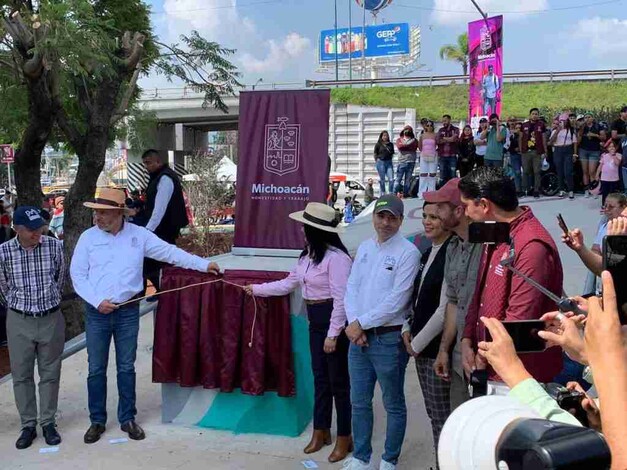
{"points": [[389, 203]]}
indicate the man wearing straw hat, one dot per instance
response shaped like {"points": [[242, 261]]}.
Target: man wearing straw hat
{"points": [[106, 271]]}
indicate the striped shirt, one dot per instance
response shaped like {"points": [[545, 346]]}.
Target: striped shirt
{"points": [[32, 280]]}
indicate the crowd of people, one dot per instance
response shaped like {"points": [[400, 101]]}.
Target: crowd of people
{"points": [[525, 149], [370, 315]]}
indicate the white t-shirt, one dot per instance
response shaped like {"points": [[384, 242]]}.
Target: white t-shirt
{"points": [[480, 149]]}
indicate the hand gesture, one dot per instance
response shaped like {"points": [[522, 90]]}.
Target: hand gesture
{"points": [[617, 226], [589, 406], [106, 307], [213, 268], [574, 240], [330, 345], [566, 332], [441, 366], [468, 358], [407, 343], [356, 334], [248, 289], [501, 354], [603, 329]]}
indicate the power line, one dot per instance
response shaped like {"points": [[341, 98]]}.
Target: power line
{"points": [[545, 10], [222, 7]]}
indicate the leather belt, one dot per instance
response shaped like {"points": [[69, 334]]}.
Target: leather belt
{"points": [[381, 330], [318, 302], [36, 314]]}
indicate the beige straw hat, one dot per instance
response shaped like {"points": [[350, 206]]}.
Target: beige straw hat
{"points": [[107, 198], [319, 216]]}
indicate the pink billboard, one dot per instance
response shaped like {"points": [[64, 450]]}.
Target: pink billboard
{"points": [[485, 62]]}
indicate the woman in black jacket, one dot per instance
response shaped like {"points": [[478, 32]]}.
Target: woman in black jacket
{"points": [[466, 152], [383, 154]]}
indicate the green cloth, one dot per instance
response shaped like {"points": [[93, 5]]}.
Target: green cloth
{"points": [[494, 150], [269, 413], [529, 392]]}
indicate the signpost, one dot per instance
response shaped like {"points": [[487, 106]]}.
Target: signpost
{"points": [[7, 155]]}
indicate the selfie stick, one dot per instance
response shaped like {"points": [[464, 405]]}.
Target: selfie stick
{"points": [[564, 304]]}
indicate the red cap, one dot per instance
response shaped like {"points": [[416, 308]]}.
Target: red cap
{"points": [[447, 193]]}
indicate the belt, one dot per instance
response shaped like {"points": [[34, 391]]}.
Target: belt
{"points": [[380, 330], [317, 302], [36, 314]]}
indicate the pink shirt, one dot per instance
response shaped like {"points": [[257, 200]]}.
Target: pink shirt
{"points": [[609, 167], [326, 280]]}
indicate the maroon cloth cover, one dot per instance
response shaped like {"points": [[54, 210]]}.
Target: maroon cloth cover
{"points": [[203, 334]]}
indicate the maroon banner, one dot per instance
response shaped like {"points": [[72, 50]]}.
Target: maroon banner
{"points": [[283, 164]]}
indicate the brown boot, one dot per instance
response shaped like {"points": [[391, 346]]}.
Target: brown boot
{"points": [[343, 446], [319, 439]]}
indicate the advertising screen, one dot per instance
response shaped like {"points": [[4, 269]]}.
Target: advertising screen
{"points": [[376, 41]]}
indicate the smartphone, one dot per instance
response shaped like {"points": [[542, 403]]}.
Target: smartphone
{"points": [[615, 261], [562, 224], [488, 232], [524, 333]]}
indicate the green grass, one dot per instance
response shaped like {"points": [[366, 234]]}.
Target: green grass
{"points": [[601, 98]]}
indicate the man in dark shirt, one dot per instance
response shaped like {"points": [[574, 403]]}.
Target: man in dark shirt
{"points": [[489, 195], [532, 145], [165, 208], [447, 140]]}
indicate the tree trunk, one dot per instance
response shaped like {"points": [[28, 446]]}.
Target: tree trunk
{"points": [[41, 119], [91, 158]]}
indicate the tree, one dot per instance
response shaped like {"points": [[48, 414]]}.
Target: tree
{"points": [[76, 63], [458, 52]]}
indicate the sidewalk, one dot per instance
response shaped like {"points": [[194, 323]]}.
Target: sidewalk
{"points": [[170, 446]]}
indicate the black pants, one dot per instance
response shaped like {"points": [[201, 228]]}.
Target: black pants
{"points": [[607, 188], [152, 267], [331, 380]]}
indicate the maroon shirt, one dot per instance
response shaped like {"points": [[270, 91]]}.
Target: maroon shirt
{"points": [[448, 149], [532, 137], [501, 294]]}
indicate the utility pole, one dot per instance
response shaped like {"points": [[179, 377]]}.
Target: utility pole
{"points": [[351, 43], [337, 69], [485, 16]]}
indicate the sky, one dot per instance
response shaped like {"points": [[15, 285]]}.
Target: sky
{"points": [[276, 40]]}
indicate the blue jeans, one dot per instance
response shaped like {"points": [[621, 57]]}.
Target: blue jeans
{"points": [[404, 172], [515, 161], [123, 326], [563, 160], [448, 168], [383, 360], [385, 168]]}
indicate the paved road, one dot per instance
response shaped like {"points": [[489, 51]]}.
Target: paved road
{"points": [[171, 447]]}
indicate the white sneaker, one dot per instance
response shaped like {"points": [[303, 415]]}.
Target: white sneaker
{"points": [[571, 195], [386, 465], [355, 464], [587, 193], [562, 194]]}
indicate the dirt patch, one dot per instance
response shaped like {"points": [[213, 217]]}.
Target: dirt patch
{"points": [[206, 244]]}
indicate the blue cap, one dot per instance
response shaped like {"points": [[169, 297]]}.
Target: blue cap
{"points": [[29, 217]]}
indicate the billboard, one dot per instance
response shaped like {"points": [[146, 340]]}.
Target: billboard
{"points": [[375, 41], [485, 57], [283, 165]]}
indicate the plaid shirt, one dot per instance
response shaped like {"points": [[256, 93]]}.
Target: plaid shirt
{"points": [[32, 280]]}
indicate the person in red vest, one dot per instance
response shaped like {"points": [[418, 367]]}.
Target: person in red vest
{"points": [[489, 195]]}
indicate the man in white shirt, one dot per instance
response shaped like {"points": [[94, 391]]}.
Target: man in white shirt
{"points": [[377, 301], [106, 271], [165, 207]]}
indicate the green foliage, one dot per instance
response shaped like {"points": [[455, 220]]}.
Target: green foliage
{"points": [[600, 98], [457, 53]]}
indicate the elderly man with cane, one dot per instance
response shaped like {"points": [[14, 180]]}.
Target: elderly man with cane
{"points": [[106, 270]]}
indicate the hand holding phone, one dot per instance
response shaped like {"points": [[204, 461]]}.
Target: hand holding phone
{"points": [[524, 334], [615, 261]]}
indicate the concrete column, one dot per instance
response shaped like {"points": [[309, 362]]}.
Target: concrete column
{"points": [[179, 137], [360, 134], [332, 137]]}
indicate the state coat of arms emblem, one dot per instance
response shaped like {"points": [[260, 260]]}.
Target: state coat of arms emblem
{"points": [[282, 147]]}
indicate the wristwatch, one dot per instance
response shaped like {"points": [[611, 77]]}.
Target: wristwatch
{"points": [[332, 338]]}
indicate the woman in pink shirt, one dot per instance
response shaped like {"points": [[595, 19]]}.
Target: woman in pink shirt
{"points": [[609, 166], [322, 273]]}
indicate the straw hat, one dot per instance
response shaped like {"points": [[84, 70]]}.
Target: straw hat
{"points": [[319, 216], [107, 198]]}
